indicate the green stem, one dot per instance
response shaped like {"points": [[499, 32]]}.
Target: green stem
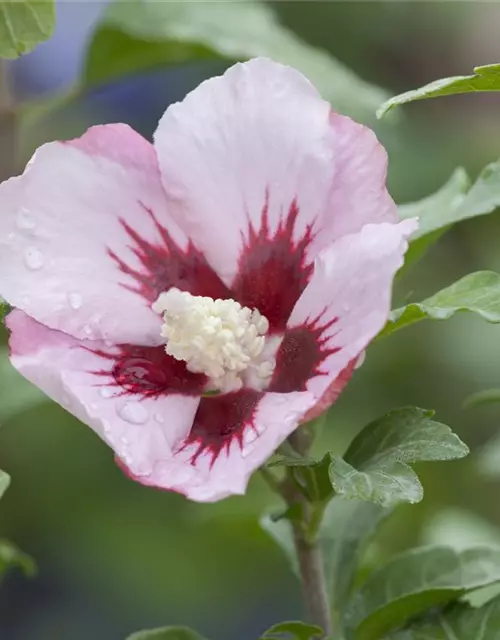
{"points": [[310, 558]]}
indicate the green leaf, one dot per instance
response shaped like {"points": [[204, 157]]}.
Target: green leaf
{"points": [[11, 556], [485, 78], [478, 292], [135, 35], [415, 581], [16, 393], [486, 396], [4, 482], [375, 466], [293, 630], [456, 622], [24, 24], [4, 310], [166, 633], [457, 200], [346, 529], [313, 477]]}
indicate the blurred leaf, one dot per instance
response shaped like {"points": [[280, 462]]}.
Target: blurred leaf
{"points": [[485, 78], [293, 631], [4, 482], [477, 292], [488, 460], [456, 622], [431, 210], [487, 396], [280, 531], [462, 529], [11, 556], [415, 581], [375, 466], [16, 393], [136, 35], [166, 633], [454, 202], [24, 24], [346, 529]]}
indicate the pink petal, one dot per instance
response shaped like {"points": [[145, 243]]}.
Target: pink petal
{"points": [[172, 442], [141, 430], [83, 243], [260, 140], [212, 471], [345, 305]]}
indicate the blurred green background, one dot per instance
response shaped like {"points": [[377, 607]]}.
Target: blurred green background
{"points": [[114, 556]]}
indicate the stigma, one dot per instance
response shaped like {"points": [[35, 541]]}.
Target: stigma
{"points": [[218, 338]]}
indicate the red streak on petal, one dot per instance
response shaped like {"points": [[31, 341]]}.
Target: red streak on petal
{"points": [[164, 265], [220, 420], [301, 355], [273, 268], [148, 372]]}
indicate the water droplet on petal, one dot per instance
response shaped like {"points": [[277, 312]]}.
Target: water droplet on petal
{"points": [[133, 412], [159, 418], [33, 258], [25, 220], [106, 392], [75, 300]]}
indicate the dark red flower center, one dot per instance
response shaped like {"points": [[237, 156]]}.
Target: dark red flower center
{"points": [[273, 271]]}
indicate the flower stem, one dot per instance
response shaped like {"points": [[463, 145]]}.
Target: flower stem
{"points": [[310, 558]]}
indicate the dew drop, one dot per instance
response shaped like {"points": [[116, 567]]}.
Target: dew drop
{"points": [[106, 392], [25, 220], [133, 412], [159, 418], [33, 259], [75, 300]]}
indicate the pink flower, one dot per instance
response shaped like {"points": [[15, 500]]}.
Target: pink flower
{"points": [[254, 193]]}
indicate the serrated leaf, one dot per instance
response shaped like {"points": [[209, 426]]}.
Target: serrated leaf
{"points": [[486, 396], [11, 556], [454, 202], [24, 24], [485, 78], [293, 631], [477, 293], [136, 35], [456, 622], [416, 581], [375, 466], [4, 482], [167, 633]]}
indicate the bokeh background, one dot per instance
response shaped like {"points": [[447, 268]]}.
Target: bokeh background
{"points": [[113, 556]]}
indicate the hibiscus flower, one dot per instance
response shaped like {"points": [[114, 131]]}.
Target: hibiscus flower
{"points": [[195, 300]]}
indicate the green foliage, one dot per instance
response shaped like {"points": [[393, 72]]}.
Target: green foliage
{"points": [[486, 396], [11, 556], [16, 393], [457, 200], [456, 622], [24, 24], [137, 35], [280, 530], [478, 292], [4, 482], [375, 466], [293, 631], [416, 581], [346, 529], [166, 633], [4, 310], [485, 78]]}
